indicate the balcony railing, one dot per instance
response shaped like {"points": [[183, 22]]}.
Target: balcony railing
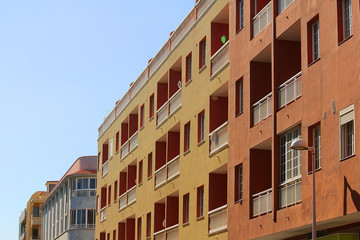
{"points": [[35, 220], [218, 219], [219, 138], [262, 19], [187, 24], [129, 145], [103, 214], [290, 90], [220, 59], [127, 198], [168, 108], [262, 202], [167, 172], [262, 109], [170, 233], [283, 4], [105, 168], [290, 193], [82, 226], [83, 193]]}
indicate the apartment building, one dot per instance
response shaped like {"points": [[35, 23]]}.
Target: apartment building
{"points": [[163, 150], [29, 220], [294, 74], [69, 211]]}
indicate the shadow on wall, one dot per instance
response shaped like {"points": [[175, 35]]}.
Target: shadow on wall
{"points": [[355, 196]]}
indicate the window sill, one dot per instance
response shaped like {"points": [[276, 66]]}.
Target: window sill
{"points": [[238, 201], [186, 152], [186, 224], [142, 127], [140, 184], [111, 157], [344, 40], [201, 143], [313, 62], [117, 152], [202, 69], [237, 31], [149, 178], [346, 158], [151, 118], [200, 218], [188, 82], [316, 170], [238, 114]]}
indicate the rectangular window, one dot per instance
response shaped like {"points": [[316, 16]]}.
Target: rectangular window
{"points": [[81, 217], [188, 67], [313, 39], [139, 228], [201, 126], [142, 116], [117, 142], [187, 137], [344, 18], [186, 208], [91, 218], [347, 136], [200, 202], [98, 161], [114, 235], [151, 106], [35, 233], [149, 165], [239, 89], [92, 183], [140, 171], [317, 146], [238, 183], [239, 15], [290, 162], [148, 225], [97, 204], [109, 198], [202, 53], [108, 236], [115, 190], [111, 148], [36, 212]]}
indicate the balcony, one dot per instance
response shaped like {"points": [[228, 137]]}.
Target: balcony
{"points": [[290, 90], [262, 203], [129, 145], [105, 168], [218, 220], [83, 193], [103, 214], [219, 138], [167, 172], [170, 233], [220, 60], [262, 109], [283, 4], [290, 193], [127, 198], [35, 221], [168, 108], [82, 226], [262, 19]]}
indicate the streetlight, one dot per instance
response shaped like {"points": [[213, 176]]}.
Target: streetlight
{"points": [[300, 144]]}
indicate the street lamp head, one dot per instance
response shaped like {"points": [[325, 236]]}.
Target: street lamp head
{"points": [[299, 144]]}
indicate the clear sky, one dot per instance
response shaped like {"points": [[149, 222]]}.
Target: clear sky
{"points": [[63, 64]]}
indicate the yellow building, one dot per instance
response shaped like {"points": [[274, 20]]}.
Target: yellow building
{"points": [[30, 218], [163, 152]]}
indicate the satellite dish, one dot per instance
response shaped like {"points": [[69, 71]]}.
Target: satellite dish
{"points": [[179, 84]]}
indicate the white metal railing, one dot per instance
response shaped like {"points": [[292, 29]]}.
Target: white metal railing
{"points": [[155, 63], [219, 138], [167, 172], [175, 101], [172, 233], [262, 19], [162, 113], [124, 149], [105, 168], [220, 59], [262, 202], [160, 235], [131, 195], [160, 176], [218, 219], [290, 193], [283, 4], [103, 214], [262, 109], [290, 90], [129, 145], [122, 200]]}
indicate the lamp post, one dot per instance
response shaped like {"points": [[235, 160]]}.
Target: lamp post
{"points": [[300, 144]]}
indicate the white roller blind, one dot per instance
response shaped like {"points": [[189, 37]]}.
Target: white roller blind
{"points": [[347, 115]]}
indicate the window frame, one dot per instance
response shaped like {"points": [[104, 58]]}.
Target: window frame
{"points": [[200, 202], [201, 126], [148, 225], [188, 68], [347, 119], [150, 167], [151, 106], [187, 132], [239, 171], [239, 15], [315, 40], [239, 97], [142, 115], [141, 170], [186, 208], [202, 53], [344, 19]]}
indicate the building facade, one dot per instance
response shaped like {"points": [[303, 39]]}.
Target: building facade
{"points": [[29, 220], [163, 151], [69, 211]]}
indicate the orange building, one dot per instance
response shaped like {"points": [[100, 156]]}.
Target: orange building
{"points": [[294, 73]]}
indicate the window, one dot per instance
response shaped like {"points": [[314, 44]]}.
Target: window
{"points": [[239, 97], [108, 236], [91, 218], [239, 15], [290, 162], [201, 126], [317, 146], [202, 53], [109, 198], [151, 106], [347, 137], [200, 202], [148, 225], [139, 228], [313, 40], [187, 137], [97, 204], [149, 165], [344, 15], [51, 187], [115, 190], [188, 67], [114, 234], [98, 161], [117, 142], [140, 171], [186, 208], [80, 187], [36, 212], [238, 183], [35, 233], [142, 116], [111, 148]]}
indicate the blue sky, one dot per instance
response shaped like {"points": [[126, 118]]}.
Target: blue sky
{"points": [[63, 64]]}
